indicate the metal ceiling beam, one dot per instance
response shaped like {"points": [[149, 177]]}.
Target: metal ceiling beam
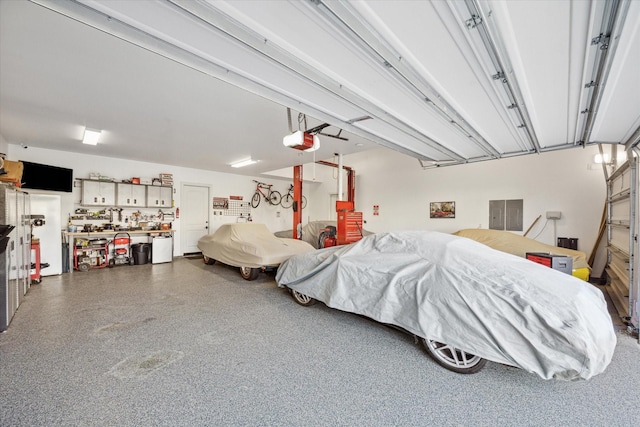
{"points": [[353, 26], [490, 37], [217, 19], [606, 43], [633, 141], [99, 16]]}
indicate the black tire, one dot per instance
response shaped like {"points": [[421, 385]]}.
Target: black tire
{"points": [[452, 358], [255, 200], [249, 273], [302, 299], [287, 201], [132, 261], [207, 260], [274, 198], [84, 266], [112, 262]]}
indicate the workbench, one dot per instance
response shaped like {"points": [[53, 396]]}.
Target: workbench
{"points": [[108, 234]]}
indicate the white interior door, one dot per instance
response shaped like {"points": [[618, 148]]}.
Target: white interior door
{"points": [[194, 222]]}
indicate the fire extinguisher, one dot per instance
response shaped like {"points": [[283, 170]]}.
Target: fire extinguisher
{"points": [[177, 212]]}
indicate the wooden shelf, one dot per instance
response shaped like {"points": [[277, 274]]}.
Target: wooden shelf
{"points": [[112, 232]]}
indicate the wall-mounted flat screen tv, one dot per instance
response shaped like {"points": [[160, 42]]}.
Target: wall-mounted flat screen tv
{"points": [[45, 177]]}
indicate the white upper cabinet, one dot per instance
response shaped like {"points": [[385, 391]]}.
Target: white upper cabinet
{"points": [[131, 195], [98, 193]]}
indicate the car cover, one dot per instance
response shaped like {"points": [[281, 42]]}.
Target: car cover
{"points": [[460, 292], [249, 245], [506, 241], [311, 231]]}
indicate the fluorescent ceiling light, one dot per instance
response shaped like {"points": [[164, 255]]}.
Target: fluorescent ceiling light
{"points": [[242, 163], [91, 136]]}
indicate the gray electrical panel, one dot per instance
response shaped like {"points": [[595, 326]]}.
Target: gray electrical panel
{"points": [[506, 214], [513, 217], [496, 214]]}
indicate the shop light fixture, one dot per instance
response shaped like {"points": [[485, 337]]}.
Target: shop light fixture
{"points": [[91, 136], [125, 20], [243, 163], [607, 159]]}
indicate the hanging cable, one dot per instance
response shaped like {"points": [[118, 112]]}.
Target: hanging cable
{"points": [[540, 232]]}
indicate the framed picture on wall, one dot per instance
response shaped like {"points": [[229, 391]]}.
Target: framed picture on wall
{"points": [[442, 210]]}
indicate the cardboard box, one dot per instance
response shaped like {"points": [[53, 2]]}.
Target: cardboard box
{"points": [[13, 171]]}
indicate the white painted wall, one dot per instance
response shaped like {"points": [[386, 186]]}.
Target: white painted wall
{"points": [[4, 146], [565, 181], [221, 184]]}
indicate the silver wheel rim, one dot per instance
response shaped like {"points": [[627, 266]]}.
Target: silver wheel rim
{"points": [[453, 356], [246, 271], [305, 299]]}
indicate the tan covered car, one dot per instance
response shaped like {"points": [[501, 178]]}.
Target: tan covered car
{"points": [[514, 244], [249, 246]]}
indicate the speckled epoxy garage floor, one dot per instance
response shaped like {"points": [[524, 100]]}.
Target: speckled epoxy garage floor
{"points": [[185, 344]]}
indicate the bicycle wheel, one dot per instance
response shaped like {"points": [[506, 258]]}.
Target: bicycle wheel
{"points": [[304, 202], [287, 201], [255, 200], [274, 198]]}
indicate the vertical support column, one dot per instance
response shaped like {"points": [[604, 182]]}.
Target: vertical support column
{"points": [[351, 186], [634, 253], [297, 201], [340, 175]]}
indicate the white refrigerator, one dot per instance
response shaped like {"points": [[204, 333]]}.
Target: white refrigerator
{"points": [[50, 234]]}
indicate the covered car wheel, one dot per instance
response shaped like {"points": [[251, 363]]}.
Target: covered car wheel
{"points": [[249, 273], [302, 299], [207, 260], [453, 358]]}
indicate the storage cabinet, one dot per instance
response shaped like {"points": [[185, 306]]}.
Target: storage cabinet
{"points": [[159, 196], [107, 193], [131, 195], [15, 259], [98, 193]]}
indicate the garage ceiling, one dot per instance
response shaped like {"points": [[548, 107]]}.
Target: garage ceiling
{"points": [[205, 83]]}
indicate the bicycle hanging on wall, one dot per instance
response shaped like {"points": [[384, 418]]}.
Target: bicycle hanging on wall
{"points": [[287, 200], [271, 196]]}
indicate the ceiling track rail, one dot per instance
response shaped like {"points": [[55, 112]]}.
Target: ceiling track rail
{"points": [[633, 141], [606, 43], [429, 164], [353, 26], [491, 40], [99, 20], [249, 39]]}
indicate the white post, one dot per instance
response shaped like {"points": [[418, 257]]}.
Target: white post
{"points": [[340, 175]]}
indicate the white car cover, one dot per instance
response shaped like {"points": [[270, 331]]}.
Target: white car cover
{"points": [[249, 245], [457, 291]]}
